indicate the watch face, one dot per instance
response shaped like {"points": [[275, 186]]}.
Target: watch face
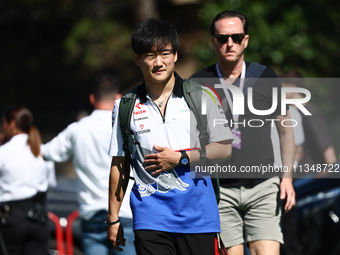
{"points": [[184, 161]]}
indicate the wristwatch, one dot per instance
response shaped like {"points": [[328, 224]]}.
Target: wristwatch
{"points": [[184, 161]]}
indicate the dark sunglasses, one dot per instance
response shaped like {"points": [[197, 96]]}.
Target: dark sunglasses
{"points": [[222, 39]]}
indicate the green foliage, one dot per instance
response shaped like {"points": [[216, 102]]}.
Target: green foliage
{"points": [[97, 42], [284, 34], [54, 47]]}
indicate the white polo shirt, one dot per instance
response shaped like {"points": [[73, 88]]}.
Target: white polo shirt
{"points": [[172, 201], [87, 141], [22, 174]]}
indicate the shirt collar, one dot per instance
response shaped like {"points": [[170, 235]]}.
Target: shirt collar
{"points": [[177, 90]]}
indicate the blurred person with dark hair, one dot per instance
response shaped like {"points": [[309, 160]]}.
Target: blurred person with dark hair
{"points": [[87, 141], [24, 179]]}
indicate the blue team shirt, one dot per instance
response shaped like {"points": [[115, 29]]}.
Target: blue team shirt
{"points": [[179, 200]]}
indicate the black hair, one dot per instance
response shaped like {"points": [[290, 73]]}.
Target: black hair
{"points": [[153, 35], [24, 121], [229, 14], [105, 86], [22, 116]]}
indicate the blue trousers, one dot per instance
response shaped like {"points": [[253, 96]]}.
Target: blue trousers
{"points": [[94, 236]]}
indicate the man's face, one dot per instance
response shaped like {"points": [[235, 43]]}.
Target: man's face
{"points": [[157, 66], [229, 52]]}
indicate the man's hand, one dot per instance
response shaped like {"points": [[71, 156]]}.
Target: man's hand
{"points": [[287, 192], [115, 234], [165, 160]]}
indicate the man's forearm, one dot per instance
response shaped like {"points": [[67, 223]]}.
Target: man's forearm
{"points": [[216, 152], [287, 154], [117, 186], [287, 145]]}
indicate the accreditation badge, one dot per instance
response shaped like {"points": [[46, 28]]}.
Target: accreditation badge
{"points": [[237, 138]]}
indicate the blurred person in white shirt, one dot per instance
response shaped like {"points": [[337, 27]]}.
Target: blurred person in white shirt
{"points": [[87, 141], [24, 179]]}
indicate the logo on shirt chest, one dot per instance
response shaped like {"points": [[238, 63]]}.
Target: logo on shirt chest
{"points": [[142, 118], [145, 131], [139, 112], [139, 109]]}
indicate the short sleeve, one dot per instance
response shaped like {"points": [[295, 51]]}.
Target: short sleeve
{"points": [[299, 135], [116, 142], [218, 128]]}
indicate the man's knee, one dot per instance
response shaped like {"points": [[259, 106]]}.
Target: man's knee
{"points": [[264, 247], [235, 250]]}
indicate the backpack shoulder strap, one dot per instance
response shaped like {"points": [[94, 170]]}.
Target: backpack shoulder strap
{"points": [[126, 106], [193, 95], [254, 72]]}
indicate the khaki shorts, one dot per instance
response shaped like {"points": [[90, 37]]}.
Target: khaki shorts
{"points": [[255, 210]]}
